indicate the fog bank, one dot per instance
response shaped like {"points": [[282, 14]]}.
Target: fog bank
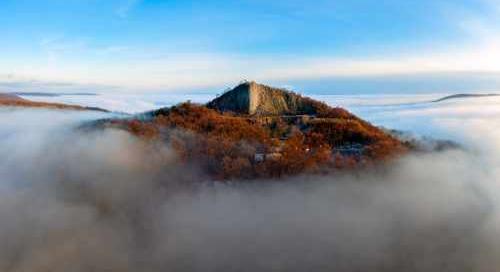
{"points": [[104, 201]]}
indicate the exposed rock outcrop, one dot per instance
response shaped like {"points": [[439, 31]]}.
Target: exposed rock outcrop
{"points": [[257, 99]]}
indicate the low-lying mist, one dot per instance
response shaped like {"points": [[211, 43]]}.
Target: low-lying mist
{"points": [[73, 200]]}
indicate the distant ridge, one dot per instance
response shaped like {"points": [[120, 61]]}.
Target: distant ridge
{"points": [[257, 99], [45, 94], [10, 97], [457, 96], [12, 100]]}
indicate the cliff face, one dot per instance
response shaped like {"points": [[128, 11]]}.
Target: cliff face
{"points": [[257, 99], [236, 100]]}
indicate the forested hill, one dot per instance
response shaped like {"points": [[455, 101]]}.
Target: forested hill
{"points": [[244, 135]]}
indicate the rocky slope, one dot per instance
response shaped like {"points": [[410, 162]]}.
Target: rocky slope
{"points": [[257, 99]]}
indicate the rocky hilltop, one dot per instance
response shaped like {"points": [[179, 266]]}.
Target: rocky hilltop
{"points": [[257, 99]]}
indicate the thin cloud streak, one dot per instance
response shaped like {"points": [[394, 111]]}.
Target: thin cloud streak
{"points": [[143, 67], [207, 70]]}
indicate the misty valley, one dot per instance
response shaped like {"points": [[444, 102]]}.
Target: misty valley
{"points": [[249, 136], [257, 179]]}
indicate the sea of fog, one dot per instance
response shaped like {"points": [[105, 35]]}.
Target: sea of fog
{"points": [[73, 200], [413, 113], [135, 103]]}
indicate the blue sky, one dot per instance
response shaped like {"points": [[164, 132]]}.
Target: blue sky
{"points": [[336, 45]]}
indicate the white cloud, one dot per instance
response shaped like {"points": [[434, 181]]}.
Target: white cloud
{"points": [[79, 62], [99, 186]]}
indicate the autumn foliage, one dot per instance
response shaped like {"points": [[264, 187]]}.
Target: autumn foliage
{"points": [[315, 139], [231, 146]]}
